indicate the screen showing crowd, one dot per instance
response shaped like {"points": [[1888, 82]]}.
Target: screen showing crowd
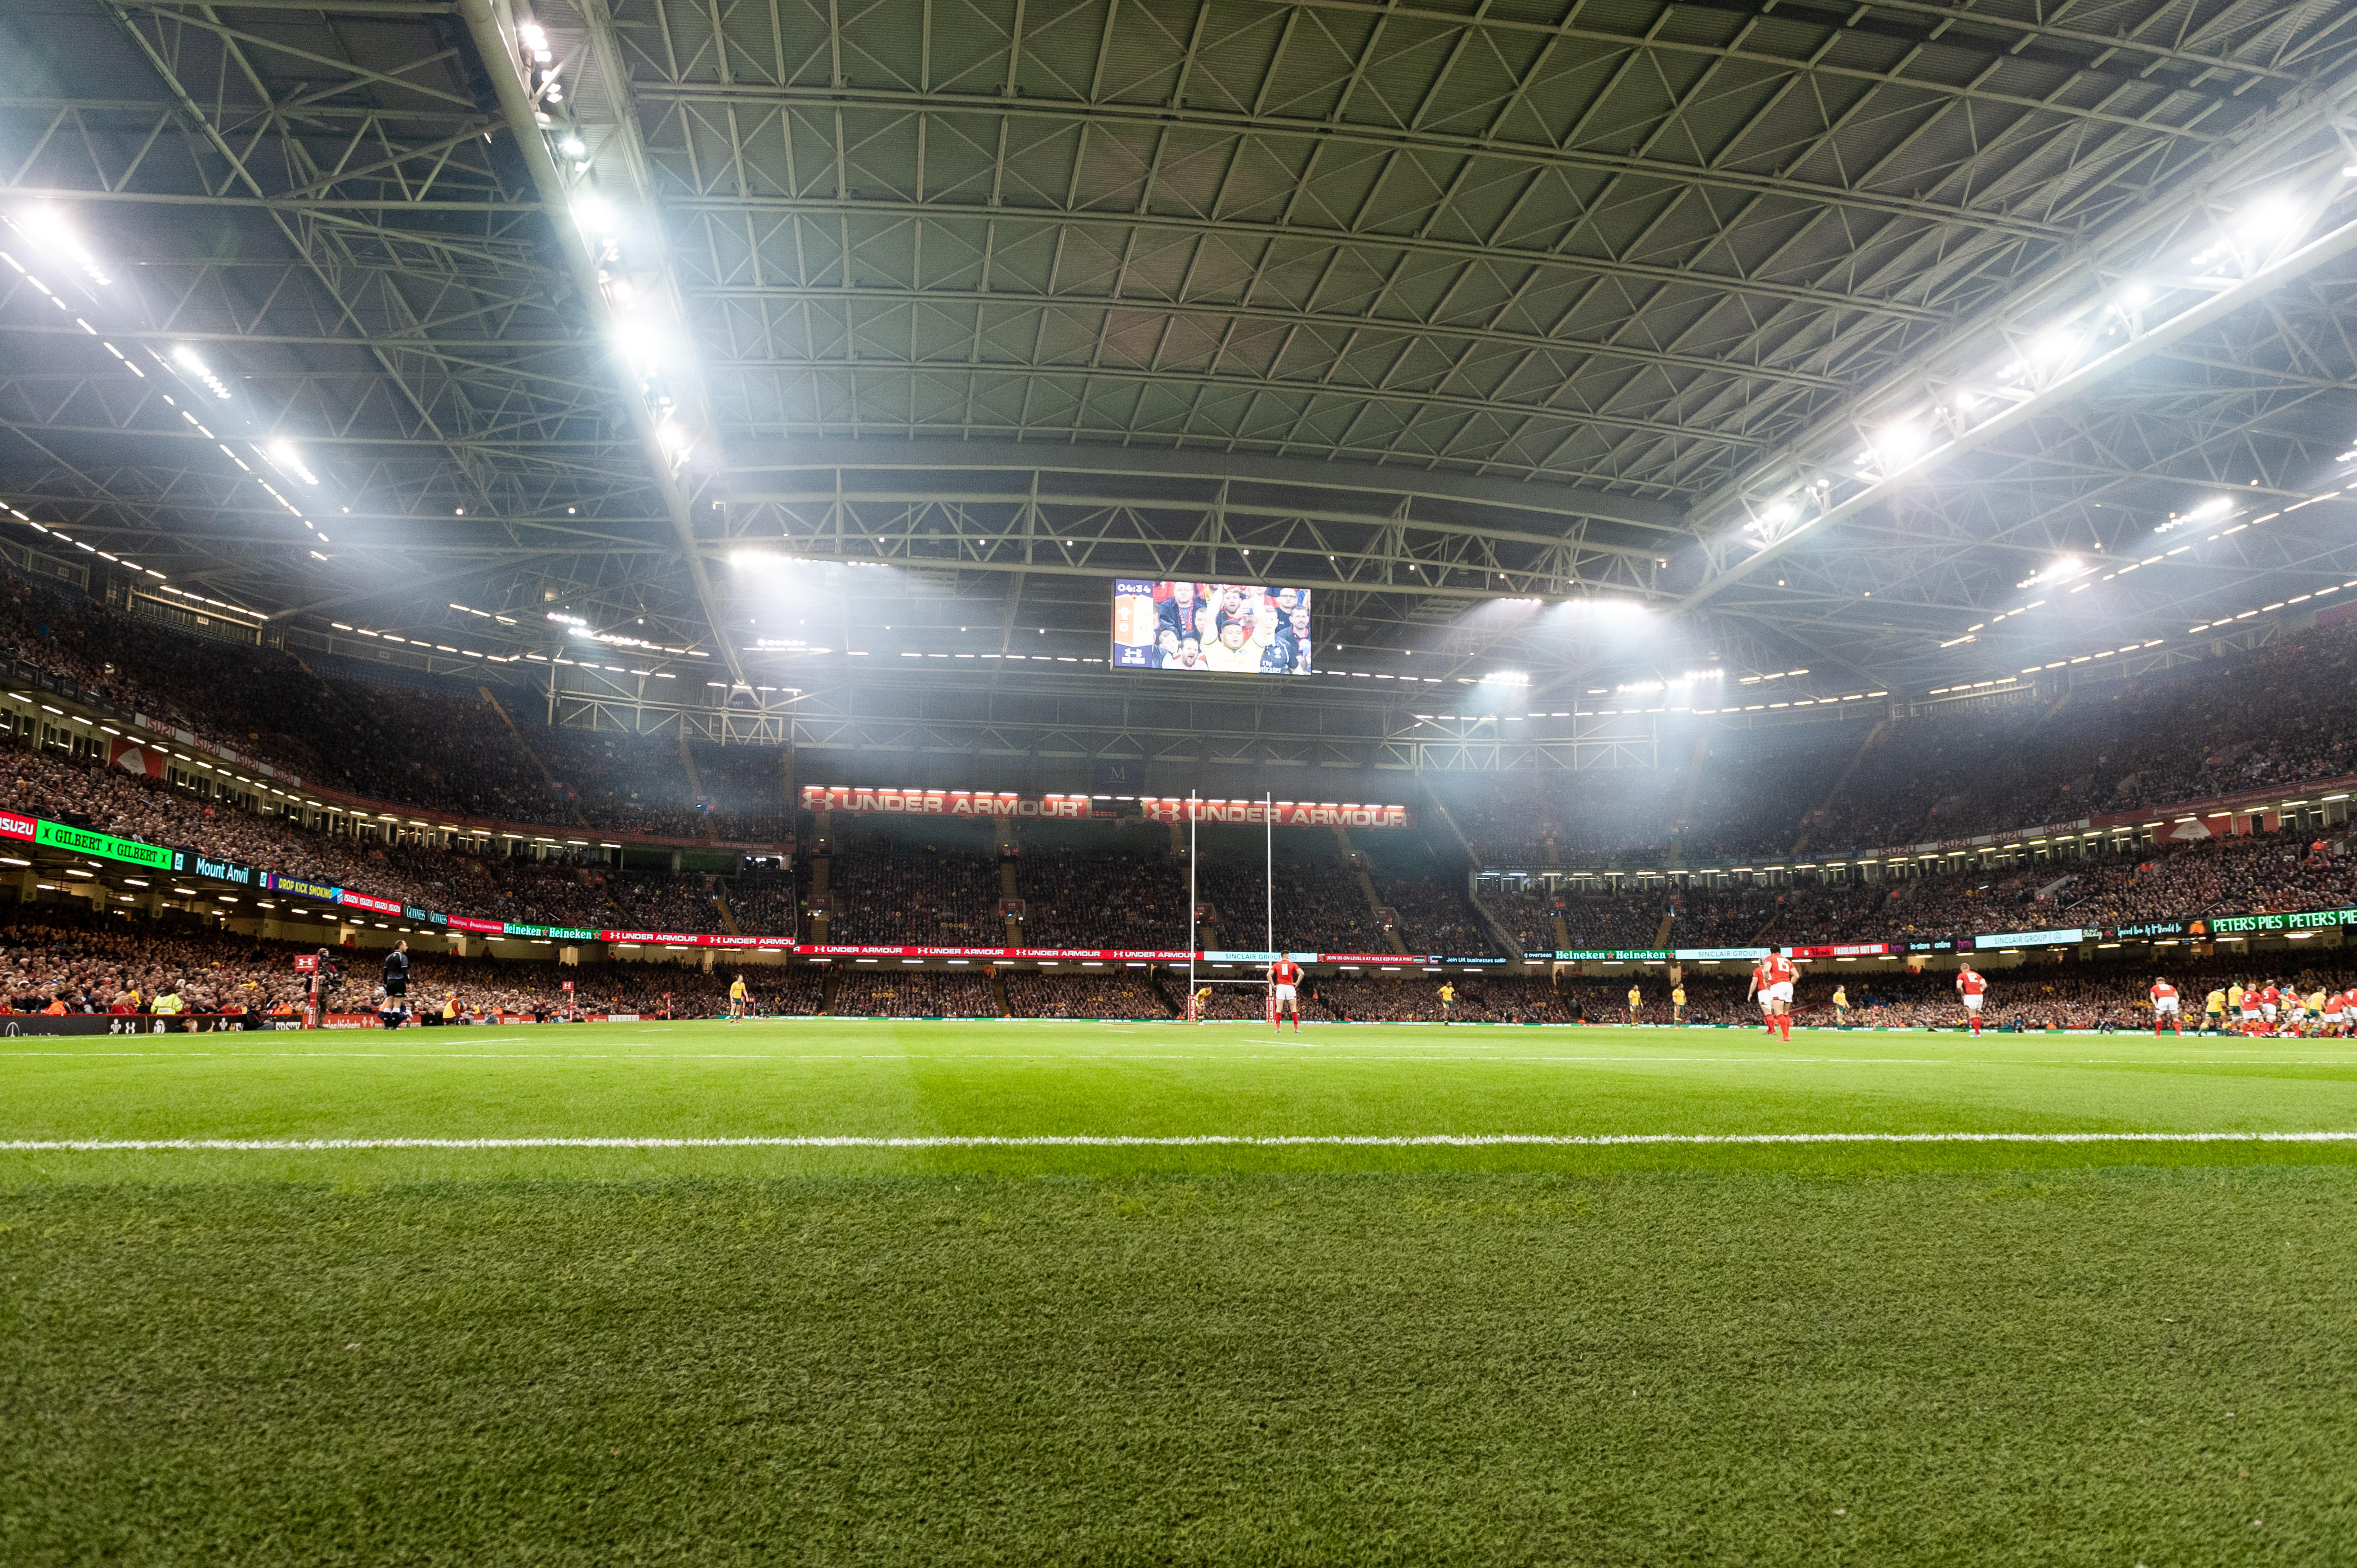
{"points": [[1224, 628]]}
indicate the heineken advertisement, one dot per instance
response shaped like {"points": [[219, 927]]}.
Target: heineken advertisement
{"points": [[106, 846]]}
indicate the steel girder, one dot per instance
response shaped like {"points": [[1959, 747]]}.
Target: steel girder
{"points": [[1633, 258], [362, 263]]}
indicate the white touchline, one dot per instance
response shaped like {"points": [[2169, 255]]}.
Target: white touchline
{"points": [[1120, 1141]]}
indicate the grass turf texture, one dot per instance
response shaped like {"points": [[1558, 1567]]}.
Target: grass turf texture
{"points": [[1759, 1354]]}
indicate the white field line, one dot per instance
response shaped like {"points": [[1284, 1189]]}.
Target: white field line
{"points": [[1120, 1140]]}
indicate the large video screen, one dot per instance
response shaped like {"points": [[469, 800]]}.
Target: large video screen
{"points": [[1223, 628]]}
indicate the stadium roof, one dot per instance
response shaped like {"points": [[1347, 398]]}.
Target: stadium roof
{"points": [[1882, 339]]}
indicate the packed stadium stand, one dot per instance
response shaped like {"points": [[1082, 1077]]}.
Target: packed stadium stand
{"points": [[1526, 911], [889, 888], [1113, 897], [397, 735], [1127, 993], [914, 994], [2168, 737], [2192, 732]]}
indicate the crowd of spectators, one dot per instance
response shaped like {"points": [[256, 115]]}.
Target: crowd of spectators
{"points": [[556, 891], [764, 904], [1123, 994], [2253, 874], [1102, 898], [90, 963], [426, 743], [2191, 733], [898, 891], [1242, 1003], [1434, 915], [59, 957], [1320, 906], [1614, 919], [799, 992], [633, 783], [1526, 910], [659, 901], [1351, 998], [64, 959], [879, 992], [745, 789]]}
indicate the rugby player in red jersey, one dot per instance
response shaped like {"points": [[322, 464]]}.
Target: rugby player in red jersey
{"points": [[1971, 988], [2164, 1006], [1772, 983], [1285, 982]]}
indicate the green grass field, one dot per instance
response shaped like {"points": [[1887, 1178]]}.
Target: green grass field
{"points": [[1018, 1310]]}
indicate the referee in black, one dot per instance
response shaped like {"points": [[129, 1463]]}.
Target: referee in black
{"points": [[396, 973]]}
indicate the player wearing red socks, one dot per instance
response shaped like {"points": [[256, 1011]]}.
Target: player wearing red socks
{"points": [[1772, 983], [1971, 988], [2164, 1006], [1285, 980]]}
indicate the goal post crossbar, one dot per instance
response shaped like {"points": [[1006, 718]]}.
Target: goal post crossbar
{"points": [[1194, 902]]}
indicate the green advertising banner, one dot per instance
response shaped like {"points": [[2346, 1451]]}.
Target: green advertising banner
{"points": [[1611, 955], [2306, 920], [106, 846]]}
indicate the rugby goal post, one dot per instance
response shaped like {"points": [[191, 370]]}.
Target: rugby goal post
{"points": [[1196, 981]]}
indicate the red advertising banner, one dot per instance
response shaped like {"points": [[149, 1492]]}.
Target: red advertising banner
{"points": [[133, 758], [362, 901], [467, 923], [15, 827], [1849, 950], [1283, 813], [941, 803], [687, 939]]}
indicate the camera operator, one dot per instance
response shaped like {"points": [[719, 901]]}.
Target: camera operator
{"points": [[324, 975]]}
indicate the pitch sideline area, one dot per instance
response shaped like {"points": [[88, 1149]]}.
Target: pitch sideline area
{"points": [[852, 1292], [819, 1096]]}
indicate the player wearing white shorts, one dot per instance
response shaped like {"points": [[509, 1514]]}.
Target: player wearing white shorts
{"points": [[1971, 988], [2164, 1006], [1284, 980], [1772, 983]]}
